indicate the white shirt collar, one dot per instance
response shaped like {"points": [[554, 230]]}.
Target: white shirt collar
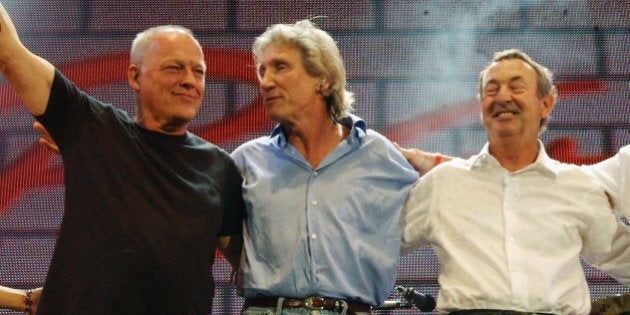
{"points": [[543, 164]]}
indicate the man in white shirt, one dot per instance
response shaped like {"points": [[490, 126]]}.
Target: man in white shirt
{"points": [[613, 174], [509, 225]]}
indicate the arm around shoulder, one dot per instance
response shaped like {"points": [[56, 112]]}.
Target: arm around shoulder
{"points": [[30, 75], [422, 161]]}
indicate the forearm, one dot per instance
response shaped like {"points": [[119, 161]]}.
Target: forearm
{"points": [[426, 161], [423, 161], [12, 298]]}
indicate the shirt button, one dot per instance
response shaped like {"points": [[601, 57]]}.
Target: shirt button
{"points": [[313, 236], [315, 173], [314, 203]]}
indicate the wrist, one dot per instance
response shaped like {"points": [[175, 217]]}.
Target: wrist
{"points": [[437, 159], [28, 303]]}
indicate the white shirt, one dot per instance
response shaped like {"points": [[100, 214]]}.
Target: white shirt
{"points": [[617, 263], [510, 240], [614, 175]]}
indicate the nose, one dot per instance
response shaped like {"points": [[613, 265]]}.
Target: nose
{"points": [[189, 78], [266, 81], [503, 94]]}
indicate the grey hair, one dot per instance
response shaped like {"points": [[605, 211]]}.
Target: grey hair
{"points": [[320, 58], [544, 77], [144, 38]]}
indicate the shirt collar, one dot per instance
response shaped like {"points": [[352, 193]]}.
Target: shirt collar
{"points": [[358, 130], [543, 164]]}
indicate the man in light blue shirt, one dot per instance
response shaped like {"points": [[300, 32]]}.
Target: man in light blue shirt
{"points": [[323, 192]]}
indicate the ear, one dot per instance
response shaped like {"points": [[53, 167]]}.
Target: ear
{"points": [[324, 84], [133, 74], [547, 104]]}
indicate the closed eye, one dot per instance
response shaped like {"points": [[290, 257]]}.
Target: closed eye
{"points": [[492, 91], [518, 88], [173, 68]]}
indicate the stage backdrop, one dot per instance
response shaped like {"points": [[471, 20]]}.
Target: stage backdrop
{"points": [[413, 65]]}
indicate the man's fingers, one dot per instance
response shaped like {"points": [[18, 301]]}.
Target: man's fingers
{"points": [[40, 128]]}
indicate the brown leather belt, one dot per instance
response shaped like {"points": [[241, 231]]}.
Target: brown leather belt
{"points": [[493, 312], [310, 303]]}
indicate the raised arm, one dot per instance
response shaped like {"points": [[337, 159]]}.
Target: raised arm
{"points": [[30, 75]]}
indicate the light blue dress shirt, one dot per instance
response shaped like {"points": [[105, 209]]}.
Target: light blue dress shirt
{"points": [[332, 231]]}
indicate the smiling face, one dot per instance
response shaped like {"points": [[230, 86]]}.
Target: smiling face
{"points": [[287, 89], [510, 105], [169, 82]]}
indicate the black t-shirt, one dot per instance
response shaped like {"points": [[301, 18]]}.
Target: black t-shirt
{"points": [[143, 211]]}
